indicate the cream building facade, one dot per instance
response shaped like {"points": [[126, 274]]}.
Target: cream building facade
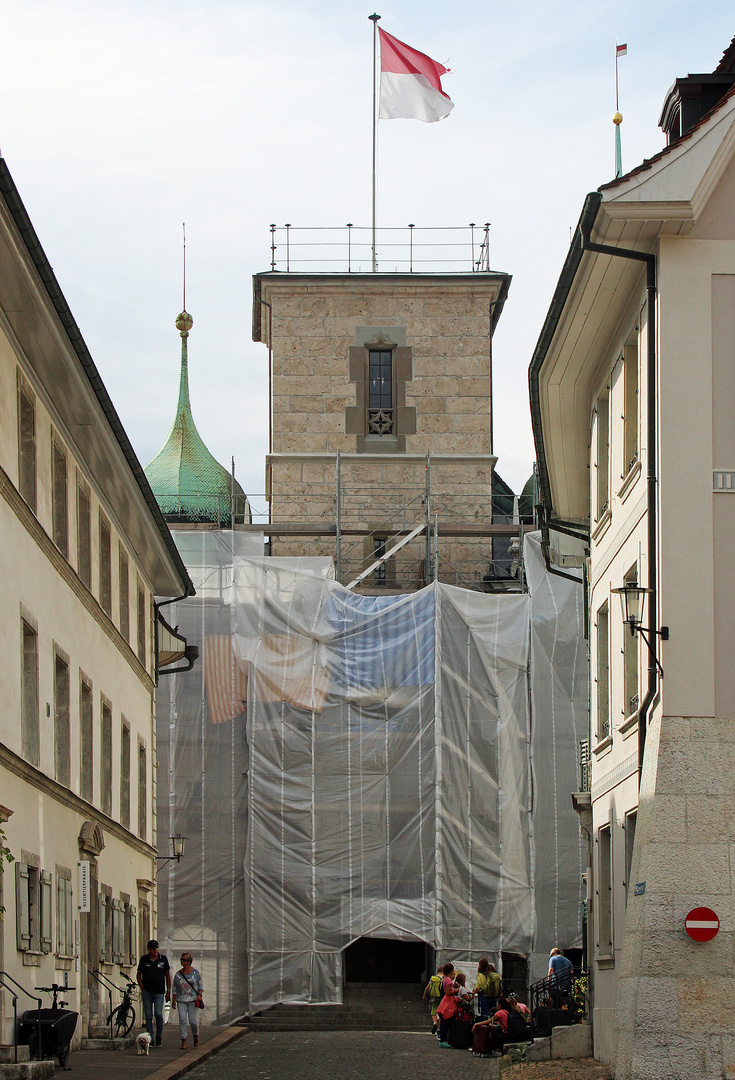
{"points": [[632, 391], [381, 420], [84, 552]]}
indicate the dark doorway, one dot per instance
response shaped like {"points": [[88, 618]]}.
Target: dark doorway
{"points": [[575, 958], [384, 960], [515, 974]]}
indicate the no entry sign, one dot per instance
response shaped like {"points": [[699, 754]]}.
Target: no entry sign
{"points": [[701, 924]]}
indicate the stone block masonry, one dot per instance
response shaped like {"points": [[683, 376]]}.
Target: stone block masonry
{"points": [[675, 1015]]}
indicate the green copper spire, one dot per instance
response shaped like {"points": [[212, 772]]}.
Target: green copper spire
{"points": [[189, 485]]}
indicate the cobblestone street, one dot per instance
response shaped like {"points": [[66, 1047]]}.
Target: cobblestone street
{"points": [[359, 1055], [343, 1055]]}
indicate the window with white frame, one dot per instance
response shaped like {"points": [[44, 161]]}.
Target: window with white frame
{"points": [[604, 892], [630, 659], [603, 671], [602, 460], [630, 410], [630, 823]]}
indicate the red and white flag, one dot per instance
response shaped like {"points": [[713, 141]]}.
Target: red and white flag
{"points": [[621, 50], [410, 83]]}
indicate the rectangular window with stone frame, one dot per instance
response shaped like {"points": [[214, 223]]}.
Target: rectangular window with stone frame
{"points": [[124, 590], [105, 567], [62, 723], [380, 366], [142, 791], [26, 443], [86, 739], [106, 757], [125, 774], [84, 533], [59, 497], [29, 722]]}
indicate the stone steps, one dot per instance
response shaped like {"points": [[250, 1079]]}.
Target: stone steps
{"points": [[25, 1069], [367, 1007]]}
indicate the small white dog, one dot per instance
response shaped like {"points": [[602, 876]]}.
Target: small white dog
{"points": [[144, 1043]]}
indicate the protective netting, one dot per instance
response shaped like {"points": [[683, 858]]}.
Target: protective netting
{"points": [[348, 766]]}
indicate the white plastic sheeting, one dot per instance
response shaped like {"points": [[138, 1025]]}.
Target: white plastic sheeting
{"points": [[350, 766]]}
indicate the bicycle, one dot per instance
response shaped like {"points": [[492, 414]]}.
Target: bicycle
{"points": [[122, 1016]]}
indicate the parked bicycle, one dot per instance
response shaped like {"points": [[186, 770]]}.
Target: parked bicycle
{"points": [[122, 1016]]}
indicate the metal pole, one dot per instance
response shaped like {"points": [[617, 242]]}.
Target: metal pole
{"points": [[288, 248], [349, 247], [339, 518], [232, 497], [428, 515], [374, 20], [273, 247], [410, 250], [436, 547]]}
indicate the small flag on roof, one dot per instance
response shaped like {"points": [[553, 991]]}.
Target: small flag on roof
{"points": [[410, 83], [621, 50]]}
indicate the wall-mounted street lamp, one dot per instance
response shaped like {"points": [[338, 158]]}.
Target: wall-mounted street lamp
{"points": [[632, 600], [178, 846]]}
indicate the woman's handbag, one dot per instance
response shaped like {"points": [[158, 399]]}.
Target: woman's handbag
{"points": [[199, 1003]]}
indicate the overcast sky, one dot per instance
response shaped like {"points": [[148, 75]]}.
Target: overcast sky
{"points": [[120, 119]]}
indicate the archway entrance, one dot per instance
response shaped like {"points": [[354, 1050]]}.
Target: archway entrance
{"points": [[385, 960]]}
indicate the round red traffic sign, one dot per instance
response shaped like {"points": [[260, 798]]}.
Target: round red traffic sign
{"points": [[702, 924]]}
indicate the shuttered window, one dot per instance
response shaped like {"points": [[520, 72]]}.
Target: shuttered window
{"points": [[59, 499]]}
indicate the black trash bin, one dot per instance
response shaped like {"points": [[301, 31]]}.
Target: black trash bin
{"points": [[57, 1027]]}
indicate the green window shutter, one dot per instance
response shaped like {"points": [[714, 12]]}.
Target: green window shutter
{"points": [[47, 911], [22, 908]]}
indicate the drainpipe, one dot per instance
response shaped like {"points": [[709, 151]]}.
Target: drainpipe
{"points": [[650, 261]]}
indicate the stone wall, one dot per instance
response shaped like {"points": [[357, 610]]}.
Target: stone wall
{"points": [[675, 1014]]}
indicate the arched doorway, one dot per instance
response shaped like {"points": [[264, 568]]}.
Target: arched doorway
{"points": [[386, 960]]}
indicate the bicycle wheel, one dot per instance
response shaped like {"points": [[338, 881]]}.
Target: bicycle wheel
{"points": [[123, 1018]]}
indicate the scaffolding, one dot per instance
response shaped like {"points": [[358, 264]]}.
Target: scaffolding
{"points": [[349, 765], [467, 538]]}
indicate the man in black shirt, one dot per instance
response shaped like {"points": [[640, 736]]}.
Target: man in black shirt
{"points": [[154, 980]]}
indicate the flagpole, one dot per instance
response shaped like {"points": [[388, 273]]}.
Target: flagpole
{"points": [[374, 20]]}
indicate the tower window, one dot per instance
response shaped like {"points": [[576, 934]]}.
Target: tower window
{"points": [[380, 392]]}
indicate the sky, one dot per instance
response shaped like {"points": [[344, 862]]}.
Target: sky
{"points": [[121, 119]]}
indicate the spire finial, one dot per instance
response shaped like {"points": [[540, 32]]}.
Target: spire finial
{"points": [[184, 322]]}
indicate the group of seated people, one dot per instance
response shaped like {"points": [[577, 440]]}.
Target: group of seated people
{"points": [[484, 1006]]}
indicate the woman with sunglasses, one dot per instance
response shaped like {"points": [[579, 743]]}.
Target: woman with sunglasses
{"points": [[186, 995]]}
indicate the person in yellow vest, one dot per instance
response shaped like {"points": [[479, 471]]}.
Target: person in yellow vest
{"points": [[488, 987]]}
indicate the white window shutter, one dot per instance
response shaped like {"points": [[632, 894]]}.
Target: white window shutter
{"points": [[47, 911], [69, 899], [118, 931], [133, 936], [22, 911], [102, 904]]}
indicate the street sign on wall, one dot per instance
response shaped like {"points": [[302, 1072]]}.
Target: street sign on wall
{"points": [[84, 884], [702, 924]]}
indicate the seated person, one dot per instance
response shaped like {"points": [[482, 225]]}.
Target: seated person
{"points": [[498, 1025], [520, 1007]]}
